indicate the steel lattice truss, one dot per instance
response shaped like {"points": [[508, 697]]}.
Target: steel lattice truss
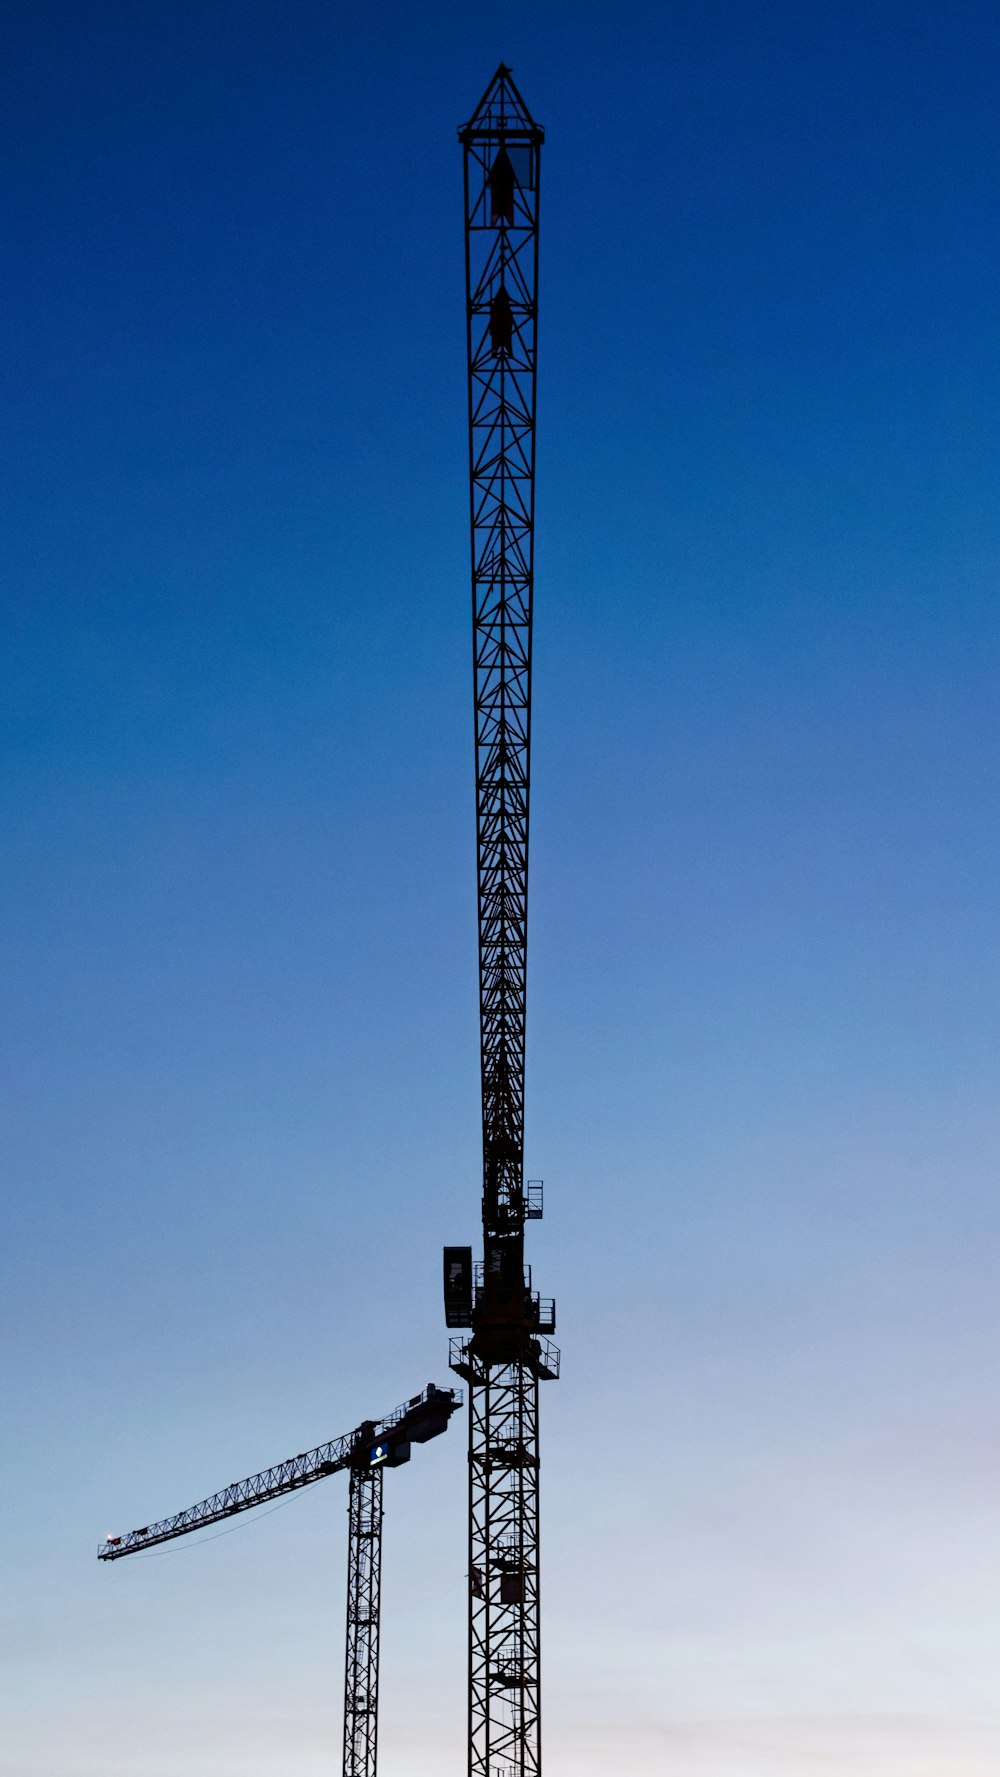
{"points": [[364, 1578], [271, 1483], [502, 145], [504, 1358], [504, 1651]]}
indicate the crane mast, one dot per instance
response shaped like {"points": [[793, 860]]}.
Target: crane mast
{"points": [[364, 1593], [505, 1358]]}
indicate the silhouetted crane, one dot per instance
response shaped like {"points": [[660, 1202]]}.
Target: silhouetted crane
{"points": [[374, 1445], [505, 1358]]}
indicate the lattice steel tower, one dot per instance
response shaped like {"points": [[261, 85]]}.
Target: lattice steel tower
{"points": [[364, 1590], [505, 1358]]}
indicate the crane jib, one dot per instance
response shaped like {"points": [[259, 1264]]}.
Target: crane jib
{"points": [[373, 1444], [502, 267]]}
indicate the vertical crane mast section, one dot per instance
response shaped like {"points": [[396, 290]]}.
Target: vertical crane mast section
{"points": [[504, 1359], [364, 1579]]}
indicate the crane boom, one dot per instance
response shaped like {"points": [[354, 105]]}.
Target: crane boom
{"points": [[373, 1444], [502, 317]]}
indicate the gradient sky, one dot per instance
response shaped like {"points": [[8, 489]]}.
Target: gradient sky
{"points": [[237, 887]]}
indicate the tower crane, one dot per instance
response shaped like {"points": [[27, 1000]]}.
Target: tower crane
{"points": [[374, 1445], [505, 1356]]}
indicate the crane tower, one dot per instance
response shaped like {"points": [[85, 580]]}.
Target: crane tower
{"points": [[505, 1355]]}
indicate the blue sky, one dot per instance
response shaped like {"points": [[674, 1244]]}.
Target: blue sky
{"points": [[237, 889]]}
